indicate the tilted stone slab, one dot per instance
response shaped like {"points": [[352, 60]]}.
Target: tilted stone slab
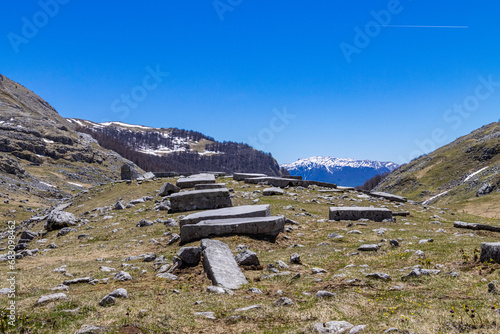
{"points": [[474, 226], [356, 213], [243, 176], [274, 181], [220, 266], [244, 211], [209, 186], [259, 227], [490, 251], [387, 196], [191, 181], [200, 200]]}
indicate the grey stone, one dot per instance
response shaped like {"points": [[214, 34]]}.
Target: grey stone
{"points": [[355, 213], [168, 276], [220, 266], [149, 257], [144, 222], [387, 196], [335, 236], [129, 172], [60, 287], [65, 230], [190, 256], [82, 236], [243, 176], [368, 247], [316, 271], [245, 211], [107, 301], [208, 315], [107, 269], [80, 280], [492, 288], [274, 181], [295, 258], [90, 329], [247, 258], [120, 205], [485, 189], [390, 330], [216, 289], [200, 200], [324, 294], [52, 297], [248, 308], [357, 329], [381, 276], [20, 247], [255, 290], [474, 226], [173, 239], [259, 227], [29, 235], [122, 276], [209, 186], [490, 252], [394, 243], [417, 272], [334, 327], [4, 291], [168, 189], [283, 301], [59, 219], [273, 191], [191, 181]]}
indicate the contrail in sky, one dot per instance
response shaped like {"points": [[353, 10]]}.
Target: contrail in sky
{"points": [[415, 26]]}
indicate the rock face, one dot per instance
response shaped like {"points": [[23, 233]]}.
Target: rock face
{"points": [[200, 200], [490, 251], [59, 219], [259, 227], [244, 211], [191, 181], [220, 265], [356, 213]]}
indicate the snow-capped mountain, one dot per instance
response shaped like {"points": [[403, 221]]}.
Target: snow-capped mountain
{"points": [[342, 171]]}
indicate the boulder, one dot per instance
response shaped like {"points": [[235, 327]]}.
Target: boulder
{"points": [[52, 297], [259, 227], [356, 213], [200, 200], [129, 172], [59, 219], [191, 181], [65, 230], [490, 251], [220, 265], [190, 256], [244, 211], [168, 189], [29, 235], [247, 258], [273, 191]]}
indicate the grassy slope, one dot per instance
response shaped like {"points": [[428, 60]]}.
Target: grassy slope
{"points": [[423, 306]]}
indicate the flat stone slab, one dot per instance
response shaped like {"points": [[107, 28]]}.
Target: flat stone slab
{"points": [[200, 200], [257, 227], [220, 266], [387, 196], [244, 211], [490, 251], [474, 226], [274, 181], [243, 176], [356, 213], [191, 181], [273, 191], [209, 186]]}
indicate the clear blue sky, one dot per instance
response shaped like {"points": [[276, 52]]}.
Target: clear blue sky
{"points": [[231, 68]]}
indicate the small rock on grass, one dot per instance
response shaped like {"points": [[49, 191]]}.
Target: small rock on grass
{"points": [[336, 327], [283, 301], [52, 297], [324, 294]]}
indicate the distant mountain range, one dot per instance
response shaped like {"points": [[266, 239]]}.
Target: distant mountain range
{"points": [[176, 150], [344, 172]]}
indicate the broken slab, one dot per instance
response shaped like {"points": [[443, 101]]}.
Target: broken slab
{"points": [[244, 211], [274, 181], [387, 196], [200, 200], [474, 226], [258, 227], [356, 213], [191, 181], [243, 176], [209, 186], [490, 251], [220, 266]]}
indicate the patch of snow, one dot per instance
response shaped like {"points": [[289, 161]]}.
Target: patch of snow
{"points": [[48, 184], [475, 173], [76, 184], [434, 197], [337, 163], [48, 141], [126, 125]]}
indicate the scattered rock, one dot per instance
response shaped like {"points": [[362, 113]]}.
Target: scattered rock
{"points": [[295, 258], [247, 258], [324, 294], [335, 327], [52, 297], [122, 276], [283, 301], [59, 219]]}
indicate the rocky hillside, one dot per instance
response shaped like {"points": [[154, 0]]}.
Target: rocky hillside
{"points": [[176, 150], [466, 171], [41, 153], [345, 172]]}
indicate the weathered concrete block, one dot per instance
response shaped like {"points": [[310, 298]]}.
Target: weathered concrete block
{"points": [[191, 181], [490, 251], [355, 213], [244, 211], [243, 176], [390, 197], [258, 227], [200, 200], [209, 186], [220, 266]]}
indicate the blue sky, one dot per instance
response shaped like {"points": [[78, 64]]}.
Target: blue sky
{"points": [[273, 74]]}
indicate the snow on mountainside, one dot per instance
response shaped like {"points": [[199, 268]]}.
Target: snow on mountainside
{"points": [[343, 171]]}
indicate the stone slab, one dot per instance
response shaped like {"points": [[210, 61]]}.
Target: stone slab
{"points": [[490, 251], [387, 196], [220, 266], [243, 176], [356, 213], [209, 186], [244, 211], [274, 181], [191, 181], [258, 227], [475, 226], [200, 200]]}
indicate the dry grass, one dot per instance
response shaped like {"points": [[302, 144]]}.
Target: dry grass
{"points": [[422, 306]]}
